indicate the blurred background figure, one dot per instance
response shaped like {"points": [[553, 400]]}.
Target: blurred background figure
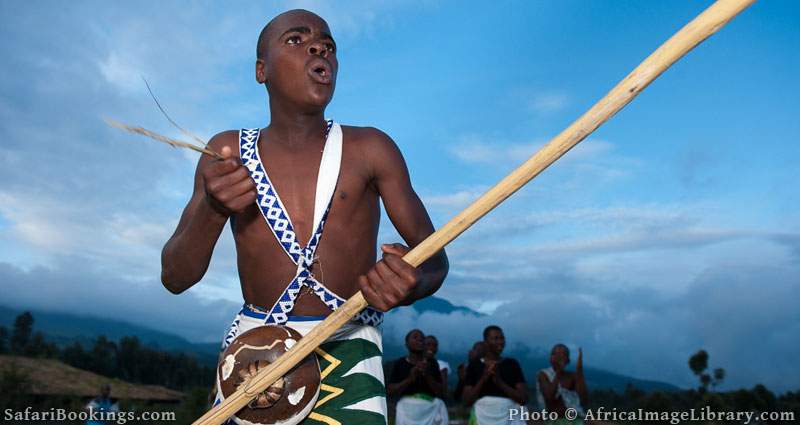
{"points": [[417, 380], [101, 405], [494, 384], [475, 354], [431, 350], [558, 389]]}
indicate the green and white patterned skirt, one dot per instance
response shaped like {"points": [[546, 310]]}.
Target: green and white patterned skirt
{"points": [[352, 390]]}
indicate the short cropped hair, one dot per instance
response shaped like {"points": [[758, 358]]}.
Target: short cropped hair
{"points": [[566, 349], [489, 329], [261, 46], [408, 335]]}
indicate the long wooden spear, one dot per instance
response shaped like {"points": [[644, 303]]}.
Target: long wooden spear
{"points": [[705, 24]]}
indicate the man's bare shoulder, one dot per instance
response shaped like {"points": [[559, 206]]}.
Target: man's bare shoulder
{"points": [[229, 138], [372, 142], [367, 137]]}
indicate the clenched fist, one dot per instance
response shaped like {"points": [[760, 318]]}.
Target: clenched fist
{"points": [[229, 188], [390, 282]]}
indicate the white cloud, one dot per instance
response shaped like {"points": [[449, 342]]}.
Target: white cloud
{"points": [[122, 243], [121, 72], [75, 286], [591, 158], [490, 306], [549, 102], [475, 149], [455, 200], [31, 221], [660, 247]]}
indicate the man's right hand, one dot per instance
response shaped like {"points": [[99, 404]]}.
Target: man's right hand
{"points": [[488, 371], [416, 372], [229, 188]]}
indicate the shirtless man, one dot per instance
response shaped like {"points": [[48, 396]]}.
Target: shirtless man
{"points": [[302, 156], [559, 389]]}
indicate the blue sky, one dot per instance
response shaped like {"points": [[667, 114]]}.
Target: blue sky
{"points": [[674, 227]]}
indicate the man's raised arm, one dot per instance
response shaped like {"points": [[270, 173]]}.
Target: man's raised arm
{"points": [[389, 283], [221, 188]]}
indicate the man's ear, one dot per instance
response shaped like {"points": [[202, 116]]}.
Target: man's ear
{"points": [[261, 71]]}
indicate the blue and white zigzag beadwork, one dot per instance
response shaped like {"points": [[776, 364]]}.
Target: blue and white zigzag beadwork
{"points": [[278, 220]]}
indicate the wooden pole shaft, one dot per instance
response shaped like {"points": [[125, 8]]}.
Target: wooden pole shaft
{"points": [[700, 28]]}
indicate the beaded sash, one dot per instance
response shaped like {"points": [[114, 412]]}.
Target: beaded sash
{"points": [[277, 219]]}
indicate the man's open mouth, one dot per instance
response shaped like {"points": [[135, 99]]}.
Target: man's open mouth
{"points": [[320, 71]]}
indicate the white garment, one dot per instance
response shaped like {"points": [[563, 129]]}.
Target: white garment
{"points": [[443, 365], [570, 398], [491, 410], [419, 411]]}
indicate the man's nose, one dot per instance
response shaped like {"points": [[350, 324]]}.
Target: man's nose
{"points": [[318, 48]]}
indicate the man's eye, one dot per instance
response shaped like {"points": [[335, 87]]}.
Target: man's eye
{"points": [[295, 39]]}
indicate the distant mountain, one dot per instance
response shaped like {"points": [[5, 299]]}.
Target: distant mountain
{"points": [[64, 329], [441, 305]]}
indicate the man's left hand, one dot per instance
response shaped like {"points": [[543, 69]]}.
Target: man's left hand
{"points": [[390, 282]]}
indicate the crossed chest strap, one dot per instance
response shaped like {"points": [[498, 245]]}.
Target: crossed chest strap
{"points": [[277, 219]]}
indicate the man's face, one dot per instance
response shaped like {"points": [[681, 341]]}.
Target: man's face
{"points": [[300, 62], [495, 341], [415, 342], [559, 357], [431, 346]]}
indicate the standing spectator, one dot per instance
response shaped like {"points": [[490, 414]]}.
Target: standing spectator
{"points": [[558, 389], [494, 384], [431, 349], [102, 407], [417, 381], [475, 353]]}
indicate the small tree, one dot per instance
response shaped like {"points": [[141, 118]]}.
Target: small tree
{"points": [[75, 356], [719, 376], [40, 347], [104, 357], [21, 336], [3, 340], [698, 363], [632, 394]]}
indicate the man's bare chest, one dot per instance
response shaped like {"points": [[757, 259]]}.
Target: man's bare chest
{"points": [[294, 183]]}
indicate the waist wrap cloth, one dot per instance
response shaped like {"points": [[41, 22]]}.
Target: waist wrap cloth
{"points": [[352, 390], [491, 410], [421, 409]]}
